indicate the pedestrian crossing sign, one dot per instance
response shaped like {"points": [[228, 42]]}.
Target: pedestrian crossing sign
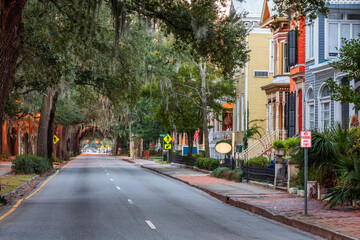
{"points": [[167, 146], [55, 139]]}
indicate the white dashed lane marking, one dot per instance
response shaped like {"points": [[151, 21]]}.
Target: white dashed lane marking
{"points": [[111, 179], [131, 202], [118, 188], [152, 226], [107, 174]]}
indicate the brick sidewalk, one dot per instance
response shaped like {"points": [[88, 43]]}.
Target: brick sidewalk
{"points": [[343, 220], [273, 204]]}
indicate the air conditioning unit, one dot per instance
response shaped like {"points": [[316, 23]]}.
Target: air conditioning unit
{"points": [[261, 73]]}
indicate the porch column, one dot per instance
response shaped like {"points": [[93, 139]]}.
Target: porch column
{"points": [[277, 127], [267, 117]]}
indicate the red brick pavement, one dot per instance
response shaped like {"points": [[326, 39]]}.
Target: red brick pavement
{"points": [[343, 220]]}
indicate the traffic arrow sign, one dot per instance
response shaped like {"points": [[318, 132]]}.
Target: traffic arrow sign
{"points": [[167, 146], [167, 139], [55, 139]]}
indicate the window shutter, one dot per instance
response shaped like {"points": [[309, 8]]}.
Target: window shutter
{"points": [[292, 48]]}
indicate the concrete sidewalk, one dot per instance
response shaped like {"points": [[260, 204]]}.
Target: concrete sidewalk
{"points": [[340, 223], [5, 167]]}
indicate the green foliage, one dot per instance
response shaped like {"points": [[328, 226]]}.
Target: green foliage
{"points": [[199, 155], [349, 63], [278, 143], [30, 164], [291, 142], [251, 131], [309, 8], [218, 171], [224, 172], [235, 175], [348, 190], [207, 163], [55, 159], [258, 162], [328, 147]]}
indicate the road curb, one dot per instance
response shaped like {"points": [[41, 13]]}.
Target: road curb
{"points": [[15, 193], [306, 227]]}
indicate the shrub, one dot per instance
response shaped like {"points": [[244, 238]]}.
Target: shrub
{"points": [[235, 175], [224, 172], [291, 142], [259, 162], [218, 172], [278, 143], [207, 163], [30, 164], [199, 155]]}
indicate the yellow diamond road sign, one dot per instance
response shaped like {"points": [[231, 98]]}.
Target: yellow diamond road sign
{"points": [[167, 146], [55, 139], [167, 139]]}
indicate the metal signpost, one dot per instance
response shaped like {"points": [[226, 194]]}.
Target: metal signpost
{"points": [[163, 135], [305, 142]]}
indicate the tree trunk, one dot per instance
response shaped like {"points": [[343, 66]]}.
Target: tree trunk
{"points": [[202, 68], [51, 125], [44, 124], [63, 142], [11, 43], [190, 136]]}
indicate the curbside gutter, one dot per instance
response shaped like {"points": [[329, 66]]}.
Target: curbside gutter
{"points": [[14, 193], [306, 227]]}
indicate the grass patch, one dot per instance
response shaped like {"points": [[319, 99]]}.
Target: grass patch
{"points": [[165, 162], [10, 182]]}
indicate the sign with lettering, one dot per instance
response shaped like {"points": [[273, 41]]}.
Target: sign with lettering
{"points": [[305, 139]]}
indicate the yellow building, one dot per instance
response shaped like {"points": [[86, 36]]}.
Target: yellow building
{"points": [[258, 71]]}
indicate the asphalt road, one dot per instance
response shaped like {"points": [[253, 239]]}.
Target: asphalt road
{"points": [[101, 197]]}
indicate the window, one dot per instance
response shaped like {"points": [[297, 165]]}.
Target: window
{"points": [[310, 41], [310, 109], [261, 73], [340, 26], [271, 55], [286, 68], [325, 108]]}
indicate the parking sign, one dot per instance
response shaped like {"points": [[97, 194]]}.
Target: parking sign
{"points": [[305, 139]]}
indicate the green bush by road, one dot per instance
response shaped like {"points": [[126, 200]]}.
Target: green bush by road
{"points": [[207, 163], [30, 164]]}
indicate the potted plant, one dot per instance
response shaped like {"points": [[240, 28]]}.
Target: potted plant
{"points": [[279, 146]]}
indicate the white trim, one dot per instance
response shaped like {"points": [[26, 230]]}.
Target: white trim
{"points": [[237, 113], [339, 22], [246, 85], [271, 55], [242, 112], [322, 100], [309, 102]]}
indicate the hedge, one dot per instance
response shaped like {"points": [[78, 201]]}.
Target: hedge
{"points": [[258, 162], [207, 163], [30, 164], [233, 175]]}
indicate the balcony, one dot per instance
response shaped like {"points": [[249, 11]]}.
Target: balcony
{"points": [[217, 136]]}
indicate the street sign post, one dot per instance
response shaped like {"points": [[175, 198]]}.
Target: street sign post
{"points": [[305, 142], [55, 139]]}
